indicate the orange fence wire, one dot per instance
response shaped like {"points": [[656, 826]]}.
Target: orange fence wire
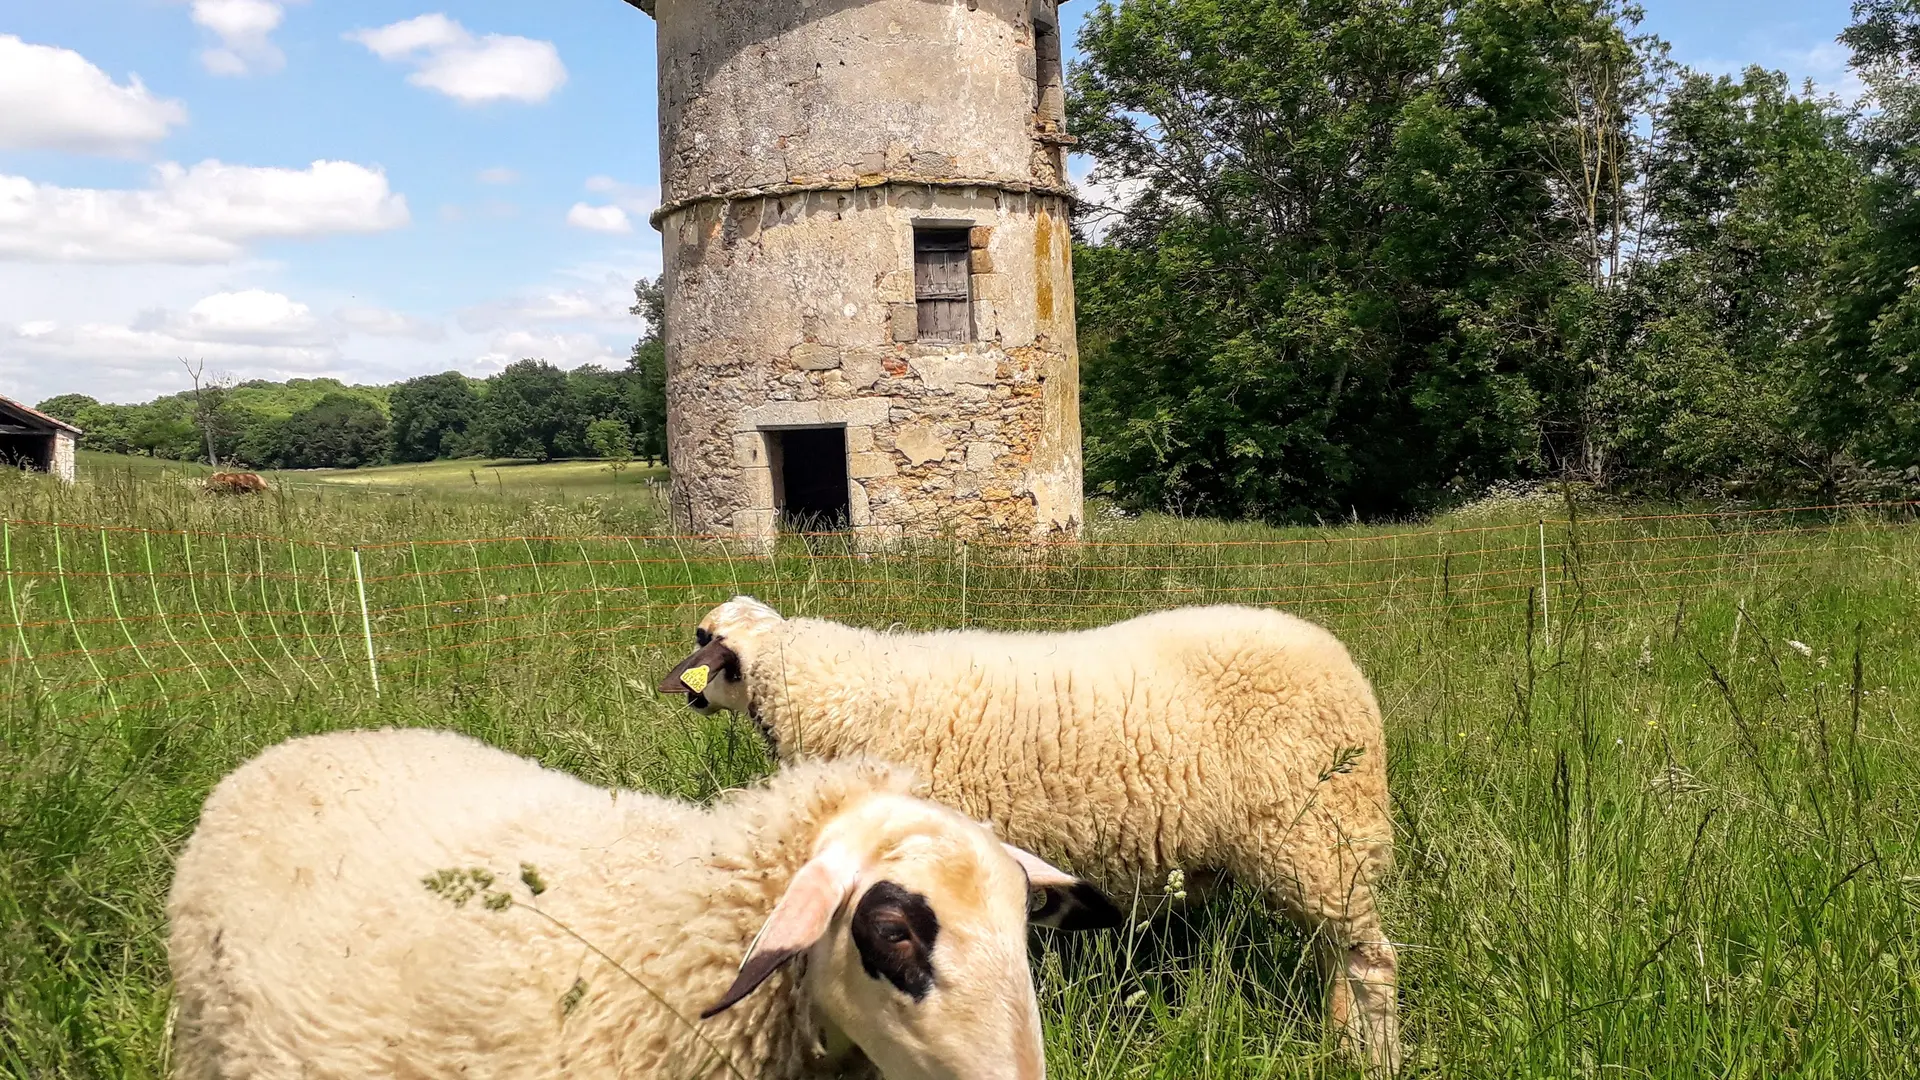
{"points": [[114, 617]]}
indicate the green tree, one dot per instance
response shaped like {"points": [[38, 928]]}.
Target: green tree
{"points": [[432, 415], [646, 408], [109, 428], [1748, 186], [1335, 289], [530, 412], [69, 407], [597, 392], [165, 433], [1864, 385], [611, 440], [340, 431]]}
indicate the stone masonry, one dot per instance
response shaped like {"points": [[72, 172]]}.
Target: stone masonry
{"points": [[802, 145], [64, 444]]}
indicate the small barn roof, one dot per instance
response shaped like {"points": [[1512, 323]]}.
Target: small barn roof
{"points": [[21, 414]]}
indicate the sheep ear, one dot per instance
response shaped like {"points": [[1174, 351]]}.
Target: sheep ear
{"points": [[1067, 902], [798, 920], [1041, 874]]}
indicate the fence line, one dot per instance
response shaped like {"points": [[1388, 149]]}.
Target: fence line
{"points": [[117, 619]]}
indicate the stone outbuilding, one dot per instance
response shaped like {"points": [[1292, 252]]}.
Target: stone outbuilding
{"points": [[868, 275], [30, 439]]}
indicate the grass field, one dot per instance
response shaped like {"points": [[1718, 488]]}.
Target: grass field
{"points": [[635, 487], [1657, 819], [499, 478]]}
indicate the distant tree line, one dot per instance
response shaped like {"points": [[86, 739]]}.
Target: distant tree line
{"points": [[530, 409], [1376, 256]]}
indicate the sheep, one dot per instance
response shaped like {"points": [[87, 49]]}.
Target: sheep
{"points": [[414, 903], [1216, 741], [236, 483]]}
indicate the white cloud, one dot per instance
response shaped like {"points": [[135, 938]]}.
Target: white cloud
{"points": [[447, 58], [1824, 63], [1103, 199], [639, 200], [499, 174], [606, 219], [132, 362], [595, 298], [551, 306], [560, 350], [1827, 65], [54, 99], [624, 202], [424, 33], [245, 29], [483, 210], [252, 333], [380, 322], [201, 214], [247, 317]]}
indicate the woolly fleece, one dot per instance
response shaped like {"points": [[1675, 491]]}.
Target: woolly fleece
{"points": [[1203, 738], [304, 943]]}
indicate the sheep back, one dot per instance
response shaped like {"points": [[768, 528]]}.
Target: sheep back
{"points": [[1188, 738], [306, 943]]}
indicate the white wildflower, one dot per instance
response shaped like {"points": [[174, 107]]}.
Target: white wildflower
{"points": [[1801, 647], [1177, 884]]}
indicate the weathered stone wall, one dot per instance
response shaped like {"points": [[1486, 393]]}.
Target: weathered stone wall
{"points": [[63, 447], [798, 311], [798, 91], [801, 145]]}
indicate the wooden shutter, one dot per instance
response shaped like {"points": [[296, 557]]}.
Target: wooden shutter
{"points": [[940, 284]]}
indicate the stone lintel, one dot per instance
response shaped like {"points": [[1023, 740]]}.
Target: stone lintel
{"points": [[860, 412]]}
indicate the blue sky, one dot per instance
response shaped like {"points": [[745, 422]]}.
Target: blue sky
{"points": [[374, 189]]}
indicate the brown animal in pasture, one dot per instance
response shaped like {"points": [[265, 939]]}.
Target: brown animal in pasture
{"points": [[236, 483]]}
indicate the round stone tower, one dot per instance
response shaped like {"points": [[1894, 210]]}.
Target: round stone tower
{"points": [[869, 281]]}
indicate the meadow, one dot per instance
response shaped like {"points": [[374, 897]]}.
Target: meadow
{"points": [[1654, 775]]}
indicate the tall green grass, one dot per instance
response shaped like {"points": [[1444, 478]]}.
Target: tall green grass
{"points": [[1657, 820]]}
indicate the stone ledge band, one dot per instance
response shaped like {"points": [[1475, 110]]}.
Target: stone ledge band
{"points": [[774, 191]]}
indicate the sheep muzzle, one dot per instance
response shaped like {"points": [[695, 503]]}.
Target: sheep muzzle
{"points": [[693, 674]]}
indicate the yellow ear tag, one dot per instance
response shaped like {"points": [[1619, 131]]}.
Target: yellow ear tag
{"points": [[695, 678]]}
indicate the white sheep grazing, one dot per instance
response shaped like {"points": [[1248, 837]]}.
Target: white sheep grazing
{"points": [[1225, 740], [417, 904]]}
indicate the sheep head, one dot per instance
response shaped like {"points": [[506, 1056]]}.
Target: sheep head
{"points": [[914, 920], [714, 676]]}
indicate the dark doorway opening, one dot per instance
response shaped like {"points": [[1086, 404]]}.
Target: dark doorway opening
{"points": [[810, 477], [32, 451]]}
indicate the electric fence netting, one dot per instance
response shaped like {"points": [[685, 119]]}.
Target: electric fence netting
{"points": [[99, 619]]}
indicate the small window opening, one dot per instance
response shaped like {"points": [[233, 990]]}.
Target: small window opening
{"points": [[941, 287], [1050, 110], [810, 478]]}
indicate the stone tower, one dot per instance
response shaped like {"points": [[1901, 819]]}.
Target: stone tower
{"points": [[869, 280]]}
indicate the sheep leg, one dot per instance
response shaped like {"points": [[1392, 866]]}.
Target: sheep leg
{"points": [[1362, 997], [1356, 962]]}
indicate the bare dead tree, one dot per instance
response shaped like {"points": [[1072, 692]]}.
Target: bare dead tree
{"points": [[206, 403]]}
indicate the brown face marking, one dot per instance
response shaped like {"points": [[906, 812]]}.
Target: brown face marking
{"points": [[895, 929], [720, 662]]}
